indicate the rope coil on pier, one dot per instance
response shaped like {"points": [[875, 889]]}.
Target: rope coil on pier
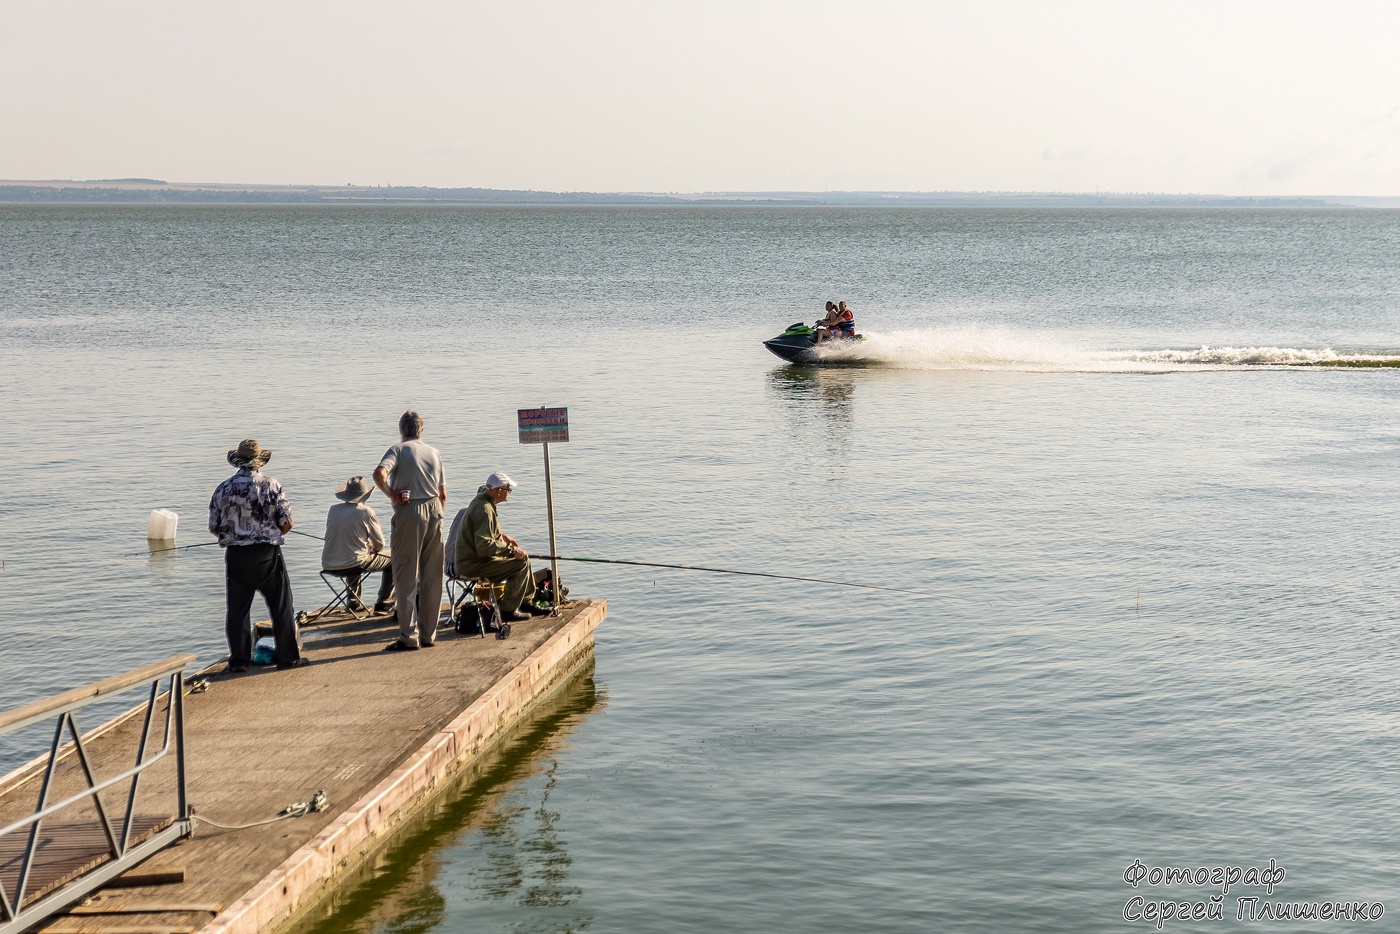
{"points": [[317, 802]]}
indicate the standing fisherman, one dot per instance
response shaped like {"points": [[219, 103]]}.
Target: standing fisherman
{"points": [[410, 474], [250, 515]]}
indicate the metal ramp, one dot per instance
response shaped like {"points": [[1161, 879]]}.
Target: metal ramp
{"points": [[72, 841]]}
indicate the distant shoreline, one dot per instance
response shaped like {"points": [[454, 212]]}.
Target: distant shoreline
{"points": [[156, 191]]}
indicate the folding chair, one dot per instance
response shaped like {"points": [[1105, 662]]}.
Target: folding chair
{"points": [[339, 583]]}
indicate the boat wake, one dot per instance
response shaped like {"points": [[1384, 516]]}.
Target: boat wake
{"points": [[974, 348]]}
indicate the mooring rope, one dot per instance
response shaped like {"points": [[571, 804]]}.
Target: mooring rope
{"points": [[317, 802]]}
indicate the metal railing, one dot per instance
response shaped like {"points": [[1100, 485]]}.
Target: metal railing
{"points": [[16, 914]]}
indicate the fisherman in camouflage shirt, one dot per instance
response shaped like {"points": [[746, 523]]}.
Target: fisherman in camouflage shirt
{"points": [[250, 515]]}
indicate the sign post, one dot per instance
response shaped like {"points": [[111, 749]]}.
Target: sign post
{"points": [[541, 426]]}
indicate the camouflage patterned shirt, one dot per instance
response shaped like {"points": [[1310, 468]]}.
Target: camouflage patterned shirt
{"points": [[249, 509]]}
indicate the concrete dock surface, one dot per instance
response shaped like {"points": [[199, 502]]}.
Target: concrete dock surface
{"points": [[379, 732]]}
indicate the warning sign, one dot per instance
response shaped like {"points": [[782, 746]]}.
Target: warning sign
{"points": [[538, 426]]}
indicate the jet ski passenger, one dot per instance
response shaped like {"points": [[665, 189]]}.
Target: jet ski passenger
{"points": [[847, 325], [828, 322], [838, 320]]}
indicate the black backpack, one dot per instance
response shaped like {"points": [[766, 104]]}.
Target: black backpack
{"points": [[475, 619]]}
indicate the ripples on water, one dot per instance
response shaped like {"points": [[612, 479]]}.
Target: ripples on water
{"points": [[1164, 605]]}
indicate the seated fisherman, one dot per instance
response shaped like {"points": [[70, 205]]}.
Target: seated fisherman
{"points": [[838, 318], [481, 549], [355, 540]]}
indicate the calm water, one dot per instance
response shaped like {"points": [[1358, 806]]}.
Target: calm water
{"points": [[1161, 556]]}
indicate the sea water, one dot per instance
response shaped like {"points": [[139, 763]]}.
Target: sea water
{"points": [[1157, 540]]}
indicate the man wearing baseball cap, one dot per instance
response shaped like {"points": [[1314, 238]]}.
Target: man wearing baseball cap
{"points": [[483, 550]]}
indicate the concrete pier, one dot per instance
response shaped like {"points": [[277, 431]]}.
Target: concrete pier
{"points": [[379, 732]]}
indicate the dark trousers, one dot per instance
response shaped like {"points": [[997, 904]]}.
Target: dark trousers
{"points": [[250, 569], [376, 562]]}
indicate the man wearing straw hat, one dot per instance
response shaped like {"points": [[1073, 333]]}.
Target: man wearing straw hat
{"points": [[250, 515], [354, 541], [410, 474]]}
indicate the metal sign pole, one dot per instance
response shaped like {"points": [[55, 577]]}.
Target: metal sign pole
{"points": [[553, 548], [541, 426]]}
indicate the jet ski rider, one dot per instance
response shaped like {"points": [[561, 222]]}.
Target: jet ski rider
{"points": [[838, 318]]}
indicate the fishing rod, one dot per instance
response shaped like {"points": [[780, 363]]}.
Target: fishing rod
{"points": [[157, 551], [691, 567]]}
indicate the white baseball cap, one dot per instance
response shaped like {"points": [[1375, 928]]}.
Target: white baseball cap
{"points": [[498, 480]]}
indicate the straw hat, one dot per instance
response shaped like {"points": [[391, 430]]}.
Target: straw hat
{"points": [[354, 490], [249, 454]]}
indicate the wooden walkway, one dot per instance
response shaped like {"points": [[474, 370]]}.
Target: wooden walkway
{"points": [[64, 851], [378, 732]]}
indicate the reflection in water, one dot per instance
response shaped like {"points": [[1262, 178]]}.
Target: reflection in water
{"points": [[494, 830], [163, 559], [823, 403]]}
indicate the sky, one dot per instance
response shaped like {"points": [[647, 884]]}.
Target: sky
{"points": [[1228, 97]]}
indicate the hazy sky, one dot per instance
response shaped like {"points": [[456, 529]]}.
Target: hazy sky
{"points": [[1136, 95]]}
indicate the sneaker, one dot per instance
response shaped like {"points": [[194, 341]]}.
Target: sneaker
{"points": [[397, 646], [384, 609], [515, 617], [299, 663], [355, 606]]}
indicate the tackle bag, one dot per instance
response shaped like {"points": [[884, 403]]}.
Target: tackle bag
{"points": [[544, 589], [475, 619]]}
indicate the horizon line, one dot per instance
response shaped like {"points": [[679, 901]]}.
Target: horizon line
{"points": [[146, 190], [149, 182]]}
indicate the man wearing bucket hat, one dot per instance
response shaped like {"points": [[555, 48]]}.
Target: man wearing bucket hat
{"points": [[410, 474], [483, 550], [355, 541], [250, 515]]}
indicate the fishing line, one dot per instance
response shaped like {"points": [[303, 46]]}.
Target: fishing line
{"points": [[691, 567], [654, 564]]}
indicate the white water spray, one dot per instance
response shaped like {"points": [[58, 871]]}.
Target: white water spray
{"points": [[1001, 349]]}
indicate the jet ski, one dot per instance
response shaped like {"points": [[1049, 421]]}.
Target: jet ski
{"points": [[798, 344]]}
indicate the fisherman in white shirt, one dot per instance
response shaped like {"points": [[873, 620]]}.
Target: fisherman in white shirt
{"points": [[410, 474], [355, 540]]}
